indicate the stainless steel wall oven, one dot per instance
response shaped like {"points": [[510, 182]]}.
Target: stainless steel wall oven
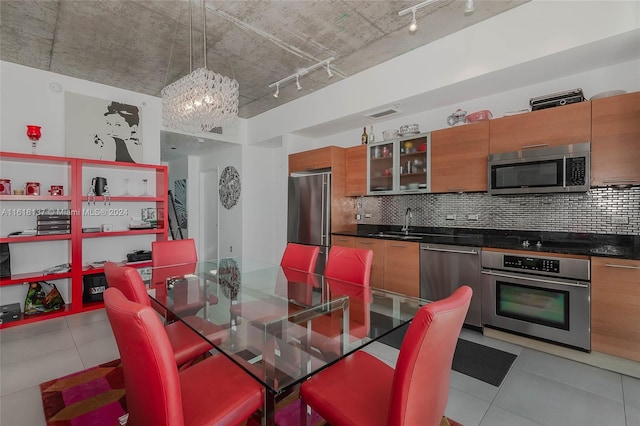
{"points": [[541, 296]]}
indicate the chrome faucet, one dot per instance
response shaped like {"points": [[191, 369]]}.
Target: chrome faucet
{"points": [[407, 221]]}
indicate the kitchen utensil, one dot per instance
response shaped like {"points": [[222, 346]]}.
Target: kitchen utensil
{"points": [[457, 117], [485, 114], [5, 186], [389, 134], [32, 188], [99, 185]]}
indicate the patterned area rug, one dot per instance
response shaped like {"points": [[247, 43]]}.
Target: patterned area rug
{"points": [[96, 397], [87, 398]]}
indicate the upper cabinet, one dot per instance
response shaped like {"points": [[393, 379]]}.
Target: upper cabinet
{"points": [[459, 158], [615, 142], [400, 166], [314, 159], [356, 173], [548, 127]]}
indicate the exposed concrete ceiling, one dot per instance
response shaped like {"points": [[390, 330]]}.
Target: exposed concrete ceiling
{"points": [[143, 45]]}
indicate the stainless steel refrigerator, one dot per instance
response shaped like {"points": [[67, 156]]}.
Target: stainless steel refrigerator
{"points": [[309, 213]]}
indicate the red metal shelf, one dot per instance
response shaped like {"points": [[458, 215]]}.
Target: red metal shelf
{"points": [[35, 238], [30, 277]]}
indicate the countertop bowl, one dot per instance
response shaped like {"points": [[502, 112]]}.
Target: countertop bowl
{"points": [[389, 134]]}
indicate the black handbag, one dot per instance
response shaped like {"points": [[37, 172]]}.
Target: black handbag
{"points": [[5, 261]]}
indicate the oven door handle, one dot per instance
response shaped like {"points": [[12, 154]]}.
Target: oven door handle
{"points": [[540, 280]]}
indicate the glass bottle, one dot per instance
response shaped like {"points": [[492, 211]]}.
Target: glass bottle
{"points": [[372, 138], [365, 138]]}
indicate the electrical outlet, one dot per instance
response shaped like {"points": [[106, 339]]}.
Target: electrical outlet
{"points": [[620, 220], [358, 216], [473, 217], [230, 249], [451, 217]]}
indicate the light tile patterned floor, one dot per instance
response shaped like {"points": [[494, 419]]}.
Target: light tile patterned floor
{"points": [[540, 389]]}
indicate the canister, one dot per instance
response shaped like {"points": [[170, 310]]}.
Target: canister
{"points": [[5, 186], [32, 188]]}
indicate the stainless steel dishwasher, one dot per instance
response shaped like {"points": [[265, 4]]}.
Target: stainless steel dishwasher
{"points": [[444, 268]]}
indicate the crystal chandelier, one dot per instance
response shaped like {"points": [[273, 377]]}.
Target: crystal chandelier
{"points": [[202, 100]]}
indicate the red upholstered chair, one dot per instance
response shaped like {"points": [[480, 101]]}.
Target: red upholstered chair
{"points": [[349, 264], [300, 256], [174, 258], [186, 344], [362, 390], [212, 392]]}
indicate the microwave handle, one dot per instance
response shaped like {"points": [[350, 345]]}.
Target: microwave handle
{"points": [[564, 171]]}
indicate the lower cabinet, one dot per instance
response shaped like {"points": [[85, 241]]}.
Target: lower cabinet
{"points": [[396, 264], [402, 267], [377, 267], [615, 307]]}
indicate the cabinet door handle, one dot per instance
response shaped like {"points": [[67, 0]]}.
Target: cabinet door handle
{"points": [[366, 242], [455, 189], [617, 181], [540, 145], [612, 265], [450, 251], [399, 245]]}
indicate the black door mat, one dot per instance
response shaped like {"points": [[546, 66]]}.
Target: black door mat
{"points": [[472, 359]]}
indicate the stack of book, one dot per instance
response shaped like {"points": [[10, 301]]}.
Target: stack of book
{"points": [[49, 224]]}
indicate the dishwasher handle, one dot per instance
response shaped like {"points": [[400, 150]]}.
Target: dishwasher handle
{"points": [[450, 250]]}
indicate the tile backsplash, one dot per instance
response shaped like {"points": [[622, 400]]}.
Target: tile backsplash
{"points": [[601, 210]]}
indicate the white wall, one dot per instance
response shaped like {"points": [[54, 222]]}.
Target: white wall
{"points": [[27, 99]]}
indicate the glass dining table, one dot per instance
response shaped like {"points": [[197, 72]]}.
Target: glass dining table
{"points": [[279, 325]]}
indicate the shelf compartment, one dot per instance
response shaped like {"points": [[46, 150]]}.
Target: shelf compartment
{"points": [[29, 277], [35, 238], [66, 310], [121, 233]]}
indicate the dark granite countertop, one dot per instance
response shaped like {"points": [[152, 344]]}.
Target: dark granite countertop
{"points": [[588, 244]]}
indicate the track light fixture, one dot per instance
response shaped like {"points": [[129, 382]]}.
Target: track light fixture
{"points": [[468, 9], [302, 72], [413, 9]]}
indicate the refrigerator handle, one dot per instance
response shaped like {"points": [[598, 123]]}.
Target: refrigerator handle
{"points": [[325, 209]]}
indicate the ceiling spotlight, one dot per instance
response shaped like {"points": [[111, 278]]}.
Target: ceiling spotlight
{"points": [[413, 9], [275, 95], [414, 25], [329, 73], [298, 82], [468, 9]]}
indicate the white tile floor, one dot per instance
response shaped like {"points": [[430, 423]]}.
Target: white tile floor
{"points": [[540, 389]]}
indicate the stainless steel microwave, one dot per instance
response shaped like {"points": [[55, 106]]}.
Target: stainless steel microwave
{"points": [[564, 168]]}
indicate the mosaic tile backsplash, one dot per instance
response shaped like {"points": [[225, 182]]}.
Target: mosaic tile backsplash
{"points": [[601, 211]]}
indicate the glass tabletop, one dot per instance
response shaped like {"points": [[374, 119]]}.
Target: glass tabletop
{"points": [[280, 325]]}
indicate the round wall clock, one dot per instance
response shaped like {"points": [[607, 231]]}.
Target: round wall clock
{"points": [[229, 187]]}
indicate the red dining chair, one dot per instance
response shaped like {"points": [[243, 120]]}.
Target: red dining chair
{"points": [[212, 391], [348, 271], [297, 261], [300, 256], [349, 264], [186, 344], [362, 390], [176, 258]]}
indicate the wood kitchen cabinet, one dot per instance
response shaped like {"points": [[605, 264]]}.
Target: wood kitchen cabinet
{"points": [[402, 267], [615, 307], [343, 241], [377, 267], [459, 158], [615, 140], [562, 125], [356, 173], [321, 158]]}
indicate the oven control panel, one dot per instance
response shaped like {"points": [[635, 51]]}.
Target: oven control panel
{"points": [[532, 263]]}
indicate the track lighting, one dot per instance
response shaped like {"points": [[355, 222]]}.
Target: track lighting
{"points": [[413, 9], [414, 25], [304, 71], [468, 9]]}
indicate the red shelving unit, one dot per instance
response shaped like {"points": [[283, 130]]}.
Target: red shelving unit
{"points": [[76, 171]]}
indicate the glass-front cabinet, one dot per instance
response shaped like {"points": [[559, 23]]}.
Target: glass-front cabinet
{"points": [[399, 166]]}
